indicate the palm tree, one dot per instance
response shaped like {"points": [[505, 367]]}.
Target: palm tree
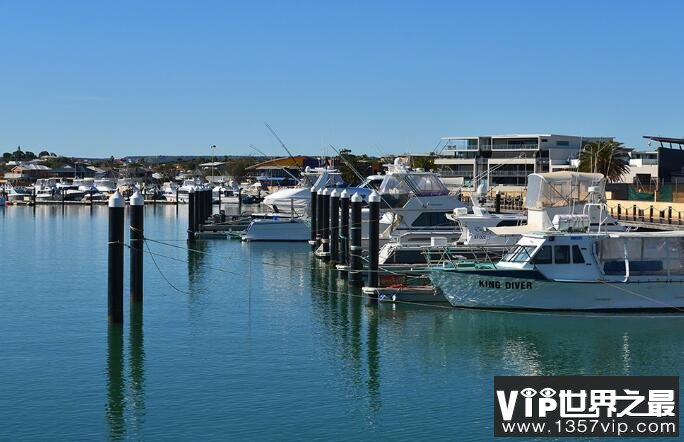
{"points": [[607, 157]]}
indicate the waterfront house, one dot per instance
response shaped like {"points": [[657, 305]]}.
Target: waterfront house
{"points": [[507, 160]]}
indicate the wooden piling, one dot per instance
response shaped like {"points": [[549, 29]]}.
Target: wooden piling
{"points": [[373, 239], [497, 202], [355, 249], [137, 209], [115, 258]]}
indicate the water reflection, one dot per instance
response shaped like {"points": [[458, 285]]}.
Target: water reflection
{"points": [[115, 382], [137, 365], [341, 312], [547, 343], [196, 255], [126, 391]]}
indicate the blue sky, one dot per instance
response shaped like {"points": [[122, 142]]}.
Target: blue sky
{"points": [[94, 78]]}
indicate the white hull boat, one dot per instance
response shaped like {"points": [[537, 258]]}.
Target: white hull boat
{"points": [[277, 229], [573, 271]]}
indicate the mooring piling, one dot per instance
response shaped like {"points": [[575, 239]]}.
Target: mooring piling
{"points": [[209, 205], [115, 259], [497, 202], [137, 209], [325, 235], [373, 238], [313, 217], [191, 215], [334, 225], [319, 218], [355, 249], [343, 239]]}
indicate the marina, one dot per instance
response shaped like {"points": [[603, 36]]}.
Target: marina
{"points": [[341, 221], [258, 313]]}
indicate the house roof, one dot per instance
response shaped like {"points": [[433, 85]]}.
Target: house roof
{"points": [[290, 162]]}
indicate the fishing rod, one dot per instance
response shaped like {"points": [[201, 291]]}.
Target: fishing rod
{"points": [[281, 143], [271, 157]]}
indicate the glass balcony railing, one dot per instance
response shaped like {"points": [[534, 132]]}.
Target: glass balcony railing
{"points": [[461, 147], [515, 146]]}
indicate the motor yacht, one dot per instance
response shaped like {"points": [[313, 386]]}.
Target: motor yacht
{"points": [[571, 270]]}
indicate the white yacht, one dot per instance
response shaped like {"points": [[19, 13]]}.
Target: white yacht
{"points": [[46, 189], [415, 204], [297, 199], [183, 190], [105, 185], [16, 194], [573, 271]]}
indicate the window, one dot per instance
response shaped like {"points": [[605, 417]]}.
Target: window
{"points": [[508, 223], [427, 219], [577, 257], [543, 256], [561, 254], [562, 143], [519, 254]]}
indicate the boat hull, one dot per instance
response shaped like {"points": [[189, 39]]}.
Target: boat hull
{"points": [[277, 230], [497, 289]]}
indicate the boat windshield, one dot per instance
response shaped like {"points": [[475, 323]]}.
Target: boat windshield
{"points": [[519, 254], [308, 179], [330, 180], [421, 184]]}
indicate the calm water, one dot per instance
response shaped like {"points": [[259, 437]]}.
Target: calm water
{"points": [[258, 341]]}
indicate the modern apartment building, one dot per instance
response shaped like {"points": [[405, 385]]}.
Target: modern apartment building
{"points": [[507, 160]]}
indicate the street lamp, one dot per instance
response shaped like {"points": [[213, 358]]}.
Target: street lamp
{"points": [[213, 150]]}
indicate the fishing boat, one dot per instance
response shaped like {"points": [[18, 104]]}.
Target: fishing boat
{"points": [[19, 194], [573, 271], [46, 189], [469, 228], [105, 185], [312, 179]]}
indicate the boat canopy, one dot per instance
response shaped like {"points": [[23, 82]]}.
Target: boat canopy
{"points": [[419, 183], [644, 254], [559, 189], [329, 179]]}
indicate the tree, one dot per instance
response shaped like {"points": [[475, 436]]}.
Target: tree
{"points": [[425, 163], [609, 158], [44, 153], [238, 167], [352, 164], [18, 155]]}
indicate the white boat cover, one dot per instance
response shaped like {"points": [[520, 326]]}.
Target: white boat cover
{"points": [[559, 189]]}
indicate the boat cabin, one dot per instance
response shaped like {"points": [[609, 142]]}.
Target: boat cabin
{"points": [[618, 256]]}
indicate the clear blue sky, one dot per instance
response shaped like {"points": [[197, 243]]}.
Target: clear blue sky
{"points": [[94, 78]]}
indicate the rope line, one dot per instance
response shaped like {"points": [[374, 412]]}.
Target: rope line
{"points": [[319, 289]]}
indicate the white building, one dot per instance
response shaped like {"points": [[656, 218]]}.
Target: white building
{"points": [[506, 160]]}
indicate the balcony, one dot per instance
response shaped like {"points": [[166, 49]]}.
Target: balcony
{"points": [[468, 173], [515, 146], [510, 173]]}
